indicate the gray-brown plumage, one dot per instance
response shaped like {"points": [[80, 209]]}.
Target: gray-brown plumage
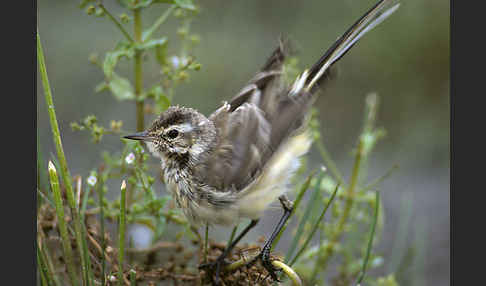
{"points": [[237, 161]]}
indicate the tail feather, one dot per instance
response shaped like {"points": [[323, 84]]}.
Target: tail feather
{"points": [[320, 70]]}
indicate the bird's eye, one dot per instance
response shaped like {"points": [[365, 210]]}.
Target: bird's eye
{"points": [[172, 134]]}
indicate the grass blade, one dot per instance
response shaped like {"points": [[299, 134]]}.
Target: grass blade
{"points": [[84, 203], [133, 278], [102, 230], [66, 242], [310, 205], [233, 232], [89, 278], [316, 225], [370, 241], [43, 271], [47, 260], [66, 176], [300, 195]]}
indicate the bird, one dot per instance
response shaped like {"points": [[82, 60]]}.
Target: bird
{"points": [[238, 160]]}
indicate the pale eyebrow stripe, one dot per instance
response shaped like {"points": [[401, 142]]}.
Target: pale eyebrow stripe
{"points": [[184, 127]]}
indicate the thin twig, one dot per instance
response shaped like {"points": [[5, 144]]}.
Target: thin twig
{"points": [[115, 21], [148, 33]]}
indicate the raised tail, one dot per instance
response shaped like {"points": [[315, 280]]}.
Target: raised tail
{"points": [[310, 79]]}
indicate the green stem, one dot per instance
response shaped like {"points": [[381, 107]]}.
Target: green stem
{"points": [[316, 225], [121, 240], [66, 242], [66, 176], [348, 204], [137, 20], [115, 21]]}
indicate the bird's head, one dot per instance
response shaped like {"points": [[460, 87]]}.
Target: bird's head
{"points": [[177, 133]]}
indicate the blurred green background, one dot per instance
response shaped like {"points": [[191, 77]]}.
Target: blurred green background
{"points": [[405, 60]]}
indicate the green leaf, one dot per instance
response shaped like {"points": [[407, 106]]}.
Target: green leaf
{"points": [[122, 49], [121, 88]]}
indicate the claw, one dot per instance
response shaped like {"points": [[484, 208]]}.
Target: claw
{"points": [[264, 257], [214, 268], [267, 264]]}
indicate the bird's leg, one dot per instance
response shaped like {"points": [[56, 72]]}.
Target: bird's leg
{"points": [[264, 255], [216, 266]]}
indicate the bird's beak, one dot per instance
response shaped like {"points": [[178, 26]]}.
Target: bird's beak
{"points": [[139, 136]]}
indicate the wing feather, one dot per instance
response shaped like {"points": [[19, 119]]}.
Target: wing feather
{"points": [[252, 126]]}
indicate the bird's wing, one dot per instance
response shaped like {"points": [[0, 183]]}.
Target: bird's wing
{"points": [[252, 126]]}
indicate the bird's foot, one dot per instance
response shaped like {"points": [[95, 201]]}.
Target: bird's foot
{"points": [[213, 269], [267, 263]]}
